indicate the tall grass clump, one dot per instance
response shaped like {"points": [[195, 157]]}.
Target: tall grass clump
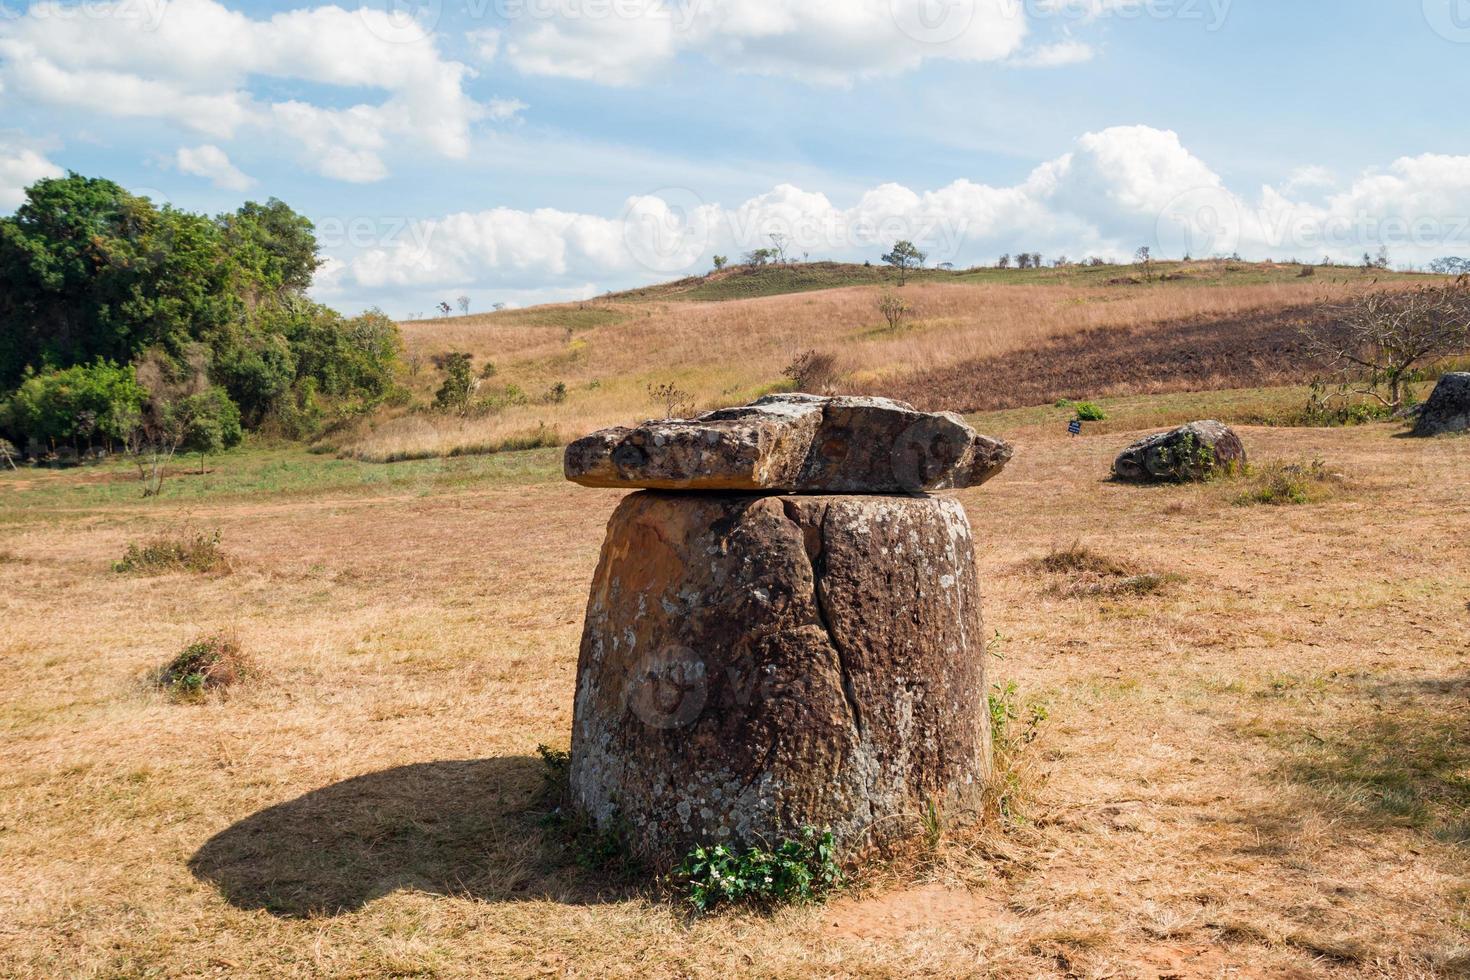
{"points": [[189, 551], [1280, 483], [213, 663]]}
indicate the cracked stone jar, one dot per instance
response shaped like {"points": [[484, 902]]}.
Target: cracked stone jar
{"points": [[753, 665]]}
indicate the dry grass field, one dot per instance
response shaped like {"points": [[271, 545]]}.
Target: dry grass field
{"points": [[983, 340], [1258, 768]]}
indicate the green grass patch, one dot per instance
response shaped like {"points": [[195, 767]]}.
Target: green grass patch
{"points": [[274, 471]]}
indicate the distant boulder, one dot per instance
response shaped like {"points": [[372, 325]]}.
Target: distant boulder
{"points": [[1448, 409], [1190, 453]]}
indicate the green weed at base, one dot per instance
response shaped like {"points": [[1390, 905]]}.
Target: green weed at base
{"points": [[797, 870]]}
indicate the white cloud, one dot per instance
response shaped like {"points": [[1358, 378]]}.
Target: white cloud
{"points": [[1309, 178], [21, 164], [830, 42], [191, 62], [1115, 190], [1054, 55], [486, 44], [500, 110], [212, 162]]}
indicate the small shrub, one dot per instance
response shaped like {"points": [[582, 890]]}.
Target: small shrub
{"points": [[797, 870], [813, 371], [1089, 412], [557, 393], [1279, 483], [211, 664], [191, 551], [895, 311], [675, 403], [457, 393]]}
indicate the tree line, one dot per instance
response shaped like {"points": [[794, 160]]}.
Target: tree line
{"points": [[125, 325]]}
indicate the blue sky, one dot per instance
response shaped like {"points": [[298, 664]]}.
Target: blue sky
{"points": [[529, 150]]}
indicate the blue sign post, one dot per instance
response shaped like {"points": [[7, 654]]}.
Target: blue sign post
{"points": [[1075, 427]]}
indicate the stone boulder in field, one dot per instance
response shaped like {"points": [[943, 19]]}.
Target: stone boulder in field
{"points": [[1192, 452], [793, 444], [751, 665], [1448, 408]]}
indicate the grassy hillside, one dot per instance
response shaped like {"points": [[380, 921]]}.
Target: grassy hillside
{"points": [[748, 282], [975, 339]]}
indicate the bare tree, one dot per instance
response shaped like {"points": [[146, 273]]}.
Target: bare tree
{"points": [[1145, 257], [778, 245], [675, 403], [1378, 339], [464, 304], [813, 372], [162, 426]]}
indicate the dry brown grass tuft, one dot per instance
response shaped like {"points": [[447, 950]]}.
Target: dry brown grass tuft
{"points": [[1079, 571]]}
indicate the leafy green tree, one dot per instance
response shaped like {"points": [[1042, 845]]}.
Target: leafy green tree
{"points": [[88, 270], [209, 423], [273, 248], [905, 256], [460, 384], [74, 405]]}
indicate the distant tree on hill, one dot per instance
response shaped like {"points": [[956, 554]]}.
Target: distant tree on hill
{"points": [[1378, 340], [904, 257], [1004, 262], [464, 304], [720, 261], [1145, 258], [759, 257], [778, 246], [1023, 261], [1450, 266], [444, 308]]}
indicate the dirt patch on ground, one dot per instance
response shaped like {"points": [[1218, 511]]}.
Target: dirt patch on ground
{"points": [[1258, 348], [895, 914]]}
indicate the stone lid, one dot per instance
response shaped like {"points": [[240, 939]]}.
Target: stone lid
{"points": [[793, 444]]}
